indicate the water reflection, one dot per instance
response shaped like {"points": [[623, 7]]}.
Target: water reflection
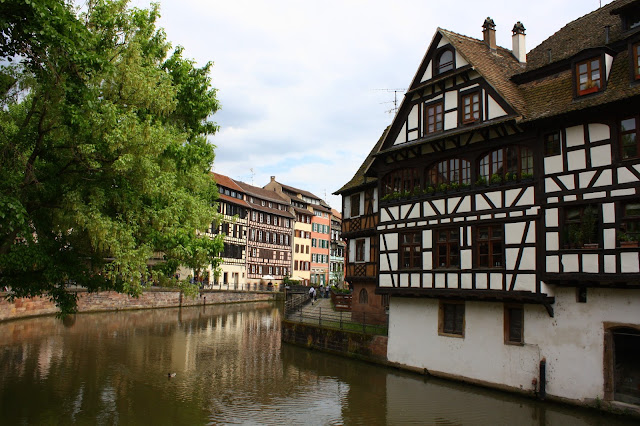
{"points": [[230, 368]]}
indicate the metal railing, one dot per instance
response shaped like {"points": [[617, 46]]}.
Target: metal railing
{"points": [[328, 318]]}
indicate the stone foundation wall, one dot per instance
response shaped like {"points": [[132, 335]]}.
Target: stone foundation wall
{"points": [[112, 301], [358, 345]]}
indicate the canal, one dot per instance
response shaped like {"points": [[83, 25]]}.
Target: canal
{"points": [[225, 364]]}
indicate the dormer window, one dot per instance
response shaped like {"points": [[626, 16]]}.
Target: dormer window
{"points": [[589, 76], [445, 61]]}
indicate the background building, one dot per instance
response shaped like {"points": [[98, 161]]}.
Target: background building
{"points": [[337, 250], [234, 210]]}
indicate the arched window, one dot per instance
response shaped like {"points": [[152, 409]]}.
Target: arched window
{"points": [[454, 170], [363, 297], [445, 61], [510, 163], [400, 181]]}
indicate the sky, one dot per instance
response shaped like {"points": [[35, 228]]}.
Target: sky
{"points": [[308, 86]]}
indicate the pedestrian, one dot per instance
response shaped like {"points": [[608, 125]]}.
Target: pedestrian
{"points": [[312, 292]]}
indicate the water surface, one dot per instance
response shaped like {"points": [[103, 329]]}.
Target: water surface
{"points": [[230, 368]]}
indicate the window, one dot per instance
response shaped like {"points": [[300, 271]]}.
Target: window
{"points": [[552, 144], [433, 118], [400, 181], [630, 226], [513, 324], [363, 297], [450, 171], [411, 250], [471, 108], [588, 76], [451, 319], [581, 227], [360, 250], [447, 253], [629, 138], [636, 61], [507, 164], [445, 61], [489, 246], [355, 205]]}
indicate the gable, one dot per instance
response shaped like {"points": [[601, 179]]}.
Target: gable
{"points": [[459, 84], [431, 70]]}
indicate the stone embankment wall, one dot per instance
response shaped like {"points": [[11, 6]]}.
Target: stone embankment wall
{"points": [[357, 345], [112, 301]]}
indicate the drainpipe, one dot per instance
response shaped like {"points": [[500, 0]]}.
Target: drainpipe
{"points": [[543, 379]]}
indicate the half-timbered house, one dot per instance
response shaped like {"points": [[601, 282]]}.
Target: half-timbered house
{"points": [[234, 210], [301, 245], [359, 221], [507, 196], [336, 256], [270, 226]]}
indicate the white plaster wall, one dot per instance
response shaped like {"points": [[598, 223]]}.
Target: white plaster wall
{"points": [[450, 120], [346, 207], [428, 72], [553, 164], [608, 59], [494, 109], [599, 132], [572, 342], [576, 160], [480, 355], [402, 136], [601, 155], [575, 136], [392, 242], [413, 117], [460, 61], [451, 99]]}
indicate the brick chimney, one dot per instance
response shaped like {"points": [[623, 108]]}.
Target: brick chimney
{"points": [[489, 33], [517, 41]]}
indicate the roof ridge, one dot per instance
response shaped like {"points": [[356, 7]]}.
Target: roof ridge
{"points": [[473, 39]]}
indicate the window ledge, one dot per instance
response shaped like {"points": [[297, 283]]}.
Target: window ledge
{"points": [[443, 334]]}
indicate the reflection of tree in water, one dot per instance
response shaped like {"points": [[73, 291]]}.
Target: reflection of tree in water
{"points": [[230, 367]]}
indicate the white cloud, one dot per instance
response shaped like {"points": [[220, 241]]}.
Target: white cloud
{"points": [[297, 79]]}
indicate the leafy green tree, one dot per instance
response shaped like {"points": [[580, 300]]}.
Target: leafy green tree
{"points": [[104, 158]]}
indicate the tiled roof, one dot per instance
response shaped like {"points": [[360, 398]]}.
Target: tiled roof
{"points": [[495, 67], [586, 31], [226, 181], [233, 200], [299, 191], [554, 94], [303, 211], [265, 194], [359, 177]]}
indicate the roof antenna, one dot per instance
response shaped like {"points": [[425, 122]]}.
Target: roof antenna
{"points": [[395, 99], [252, 175]]}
